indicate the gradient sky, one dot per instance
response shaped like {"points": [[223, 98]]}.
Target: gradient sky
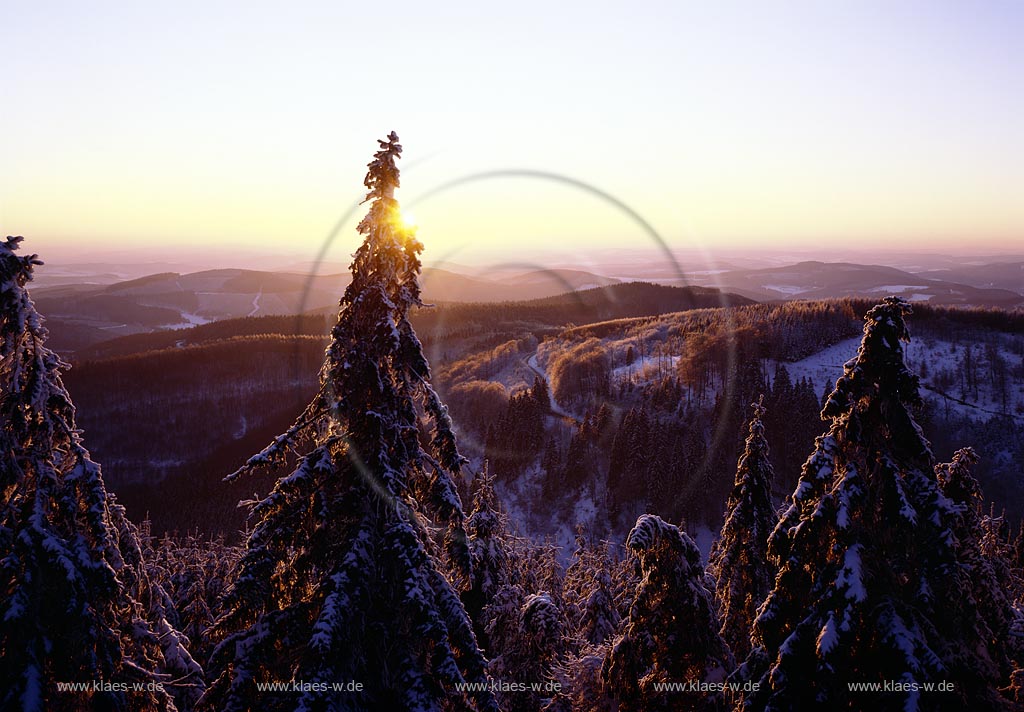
{"points": [[248, 126]]}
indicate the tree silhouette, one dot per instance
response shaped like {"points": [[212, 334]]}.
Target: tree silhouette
{"points": [[341, 580]]}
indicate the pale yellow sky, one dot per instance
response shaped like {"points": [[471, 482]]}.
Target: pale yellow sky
{"points": [[724, 125]]}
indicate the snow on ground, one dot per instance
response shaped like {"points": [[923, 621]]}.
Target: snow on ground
{"points": [[892, 288], [788, 288], [929, 357], [644, 369], [190, 320], [704, 538], [256, 303], [823, 367], [906, 291]]}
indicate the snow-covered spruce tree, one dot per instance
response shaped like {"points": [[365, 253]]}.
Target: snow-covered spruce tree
{"points": [[194, 573], [590, 601], [986, 567], [997, 546], [531, 654], [739, 559], [149, 610], [579, 679], [869, 587], [671, 635], [493, 566], [340, 580], [67, 611], [599, 618]]}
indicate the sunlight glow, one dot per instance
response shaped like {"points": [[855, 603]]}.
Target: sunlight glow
{"points": [[770, 127]]}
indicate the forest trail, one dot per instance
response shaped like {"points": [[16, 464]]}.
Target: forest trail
{"points": [[556, 409]]}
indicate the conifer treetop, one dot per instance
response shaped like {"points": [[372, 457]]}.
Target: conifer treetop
{"points": [[15, 273], [879, 366], [955, 478], [382, 178], [755, 432], [22, 273], [759, 411], [652, 538]]}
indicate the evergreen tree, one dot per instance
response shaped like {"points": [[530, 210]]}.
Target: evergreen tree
{"points": [[152, 614], [981, 554], [599, 618], [782, 386], [194, 574], [71, 570], [603, 420], [540, 393], [531, 655], [518, 437], [551, 462], [671, 634], [589, 591], [739, 559], [803, 417], [629, 459], [869, 588], [581, 459], [1018, 548], [790, 425], [581, 689], [493, 567], [540, 569], [340, 579], [742, 384]]}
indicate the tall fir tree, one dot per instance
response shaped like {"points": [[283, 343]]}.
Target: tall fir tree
{"points": [[341, 579], [739, 559], [491, 553], [71, 574], [671, 635], [869, 588]]}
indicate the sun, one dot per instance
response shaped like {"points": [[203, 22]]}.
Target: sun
{"points": [[408, 219]]}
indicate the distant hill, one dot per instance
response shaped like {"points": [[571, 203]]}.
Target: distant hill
{"points": [[832, 280], [85, 314], [444, 319], [307, 325], [999, 275]]}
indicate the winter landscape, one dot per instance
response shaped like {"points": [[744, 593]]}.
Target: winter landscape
{"points": [[638, 415]]}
